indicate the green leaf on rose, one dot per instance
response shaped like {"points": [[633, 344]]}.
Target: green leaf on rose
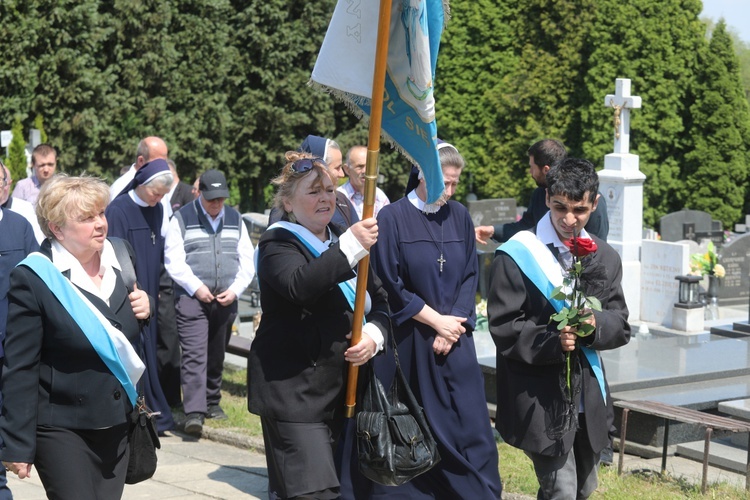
{"points": [[558, 294], [562, 324], [594, 303], [585, 329], [563, 314]]}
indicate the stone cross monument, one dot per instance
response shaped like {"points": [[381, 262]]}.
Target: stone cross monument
{"points": [[621, 183]]}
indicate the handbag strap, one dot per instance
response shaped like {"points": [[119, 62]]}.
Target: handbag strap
{"points": [[399, 372], [123, 257], [127, 272]]}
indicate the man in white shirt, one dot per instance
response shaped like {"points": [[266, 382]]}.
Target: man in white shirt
{"points": [[210, 257], [354, 188]]}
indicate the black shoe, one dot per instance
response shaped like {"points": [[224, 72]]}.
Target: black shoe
{"points": [[194, 423], [215, 412]]}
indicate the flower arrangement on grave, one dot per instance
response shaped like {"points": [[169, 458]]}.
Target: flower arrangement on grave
{"points": [[579, 306], [481, 309], [702, 264]]}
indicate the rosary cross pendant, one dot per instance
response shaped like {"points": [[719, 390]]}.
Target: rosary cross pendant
{"points": [[441, 261]]}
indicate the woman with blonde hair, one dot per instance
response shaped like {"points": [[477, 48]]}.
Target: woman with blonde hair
{"points": [[70, 353], [298, 362]]}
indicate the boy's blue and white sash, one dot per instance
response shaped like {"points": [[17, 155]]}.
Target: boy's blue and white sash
{"points": [[110, 344], [317, 247], [542, 268]]}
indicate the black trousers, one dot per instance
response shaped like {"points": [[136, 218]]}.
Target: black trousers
{"points": [[168, 353], [82, 464]]}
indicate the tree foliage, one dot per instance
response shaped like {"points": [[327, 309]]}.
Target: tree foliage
{"points": [[39, 125], [520, 71], [632, 40], [224, 82], [17, 153], [473, 58], [716, 167]]}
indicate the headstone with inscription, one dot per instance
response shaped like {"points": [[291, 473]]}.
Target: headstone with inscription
{"points": [[661, 261], [492, 211], [735, 257], [487, 213]]}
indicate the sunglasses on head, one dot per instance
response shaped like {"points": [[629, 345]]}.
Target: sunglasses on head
{"points": [[306, 164]]}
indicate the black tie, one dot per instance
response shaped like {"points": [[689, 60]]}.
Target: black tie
{"points": [[554, 250]]}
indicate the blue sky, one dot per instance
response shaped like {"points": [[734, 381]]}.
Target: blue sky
{"points": [[735, 12]]}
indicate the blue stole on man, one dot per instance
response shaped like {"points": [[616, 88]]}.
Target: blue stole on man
{"points": [[536, 261], [80, 310], [315, 247]]}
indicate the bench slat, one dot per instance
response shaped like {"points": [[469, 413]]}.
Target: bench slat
{"points": [[668, 412], [685, 415]]}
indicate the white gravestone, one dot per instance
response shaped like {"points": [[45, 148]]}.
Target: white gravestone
{"points": [[621, 183], [661, 262]]}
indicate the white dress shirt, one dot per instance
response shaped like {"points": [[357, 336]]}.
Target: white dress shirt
{"points": [[121, 182], [358, 199]]}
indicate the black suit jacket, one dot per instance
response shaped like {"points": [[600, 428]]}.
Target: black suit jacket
{"points": [[51, 373], [530, 360], [598, 224], [296, 368], [183, 195]]}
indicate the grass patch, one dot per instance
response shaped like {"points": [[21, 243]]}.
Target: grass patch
{"points": [[234, 404], [518, 476]]}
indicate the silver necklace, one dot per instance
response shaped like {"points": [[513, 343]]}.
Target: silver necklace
{"points": [[440, 260]]}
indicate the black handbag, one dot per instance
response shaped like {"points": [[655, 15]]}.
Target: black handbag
{"points": [[143, 442], [143, 439], [394, 441]]}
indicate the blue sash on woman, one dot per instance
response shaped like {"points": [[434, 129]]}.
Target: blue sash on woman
{"points": [[526, 250], [317, 247], [116, 353]]}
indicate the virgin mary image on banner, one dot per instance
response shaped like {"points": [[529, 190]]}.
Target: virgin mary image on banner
{"points": [[411, 40]]}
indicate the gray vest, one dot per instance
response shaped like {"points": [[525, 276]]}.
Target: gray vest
{"points": [[212, 256]]}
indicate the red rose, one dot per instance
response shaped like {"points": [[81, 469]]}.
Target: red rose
{"points": [[580, 247]]}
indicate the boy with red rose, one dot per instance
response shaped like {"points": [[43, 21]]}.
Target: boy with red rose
{"points": [[558, 418]]}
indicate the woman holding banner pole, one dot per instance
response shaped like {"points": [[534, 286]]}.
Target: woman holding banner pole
{"points": [[70, 363], [297, 369]]}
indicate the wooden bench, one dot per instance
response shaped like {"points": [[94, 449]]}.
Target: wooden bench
{"points": [[239, 346], [675, 413]]}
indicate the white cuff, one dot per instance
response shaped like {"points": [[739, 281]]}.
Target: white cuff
{"points": [[375, 334], [351, 247]]}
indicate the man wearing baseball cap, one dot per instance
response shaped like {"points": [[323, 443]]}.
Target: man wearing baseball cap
{"points": [[209, 255]]}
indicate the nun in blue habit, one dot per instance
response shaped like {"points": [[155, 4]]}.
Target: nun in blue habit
{"points": [[426, 258], [137, 215]]}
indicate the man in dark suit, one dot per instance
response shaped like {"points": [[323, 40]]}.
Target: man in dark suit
{"points": [[561, 428], [181, 193], [542, 156]]}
